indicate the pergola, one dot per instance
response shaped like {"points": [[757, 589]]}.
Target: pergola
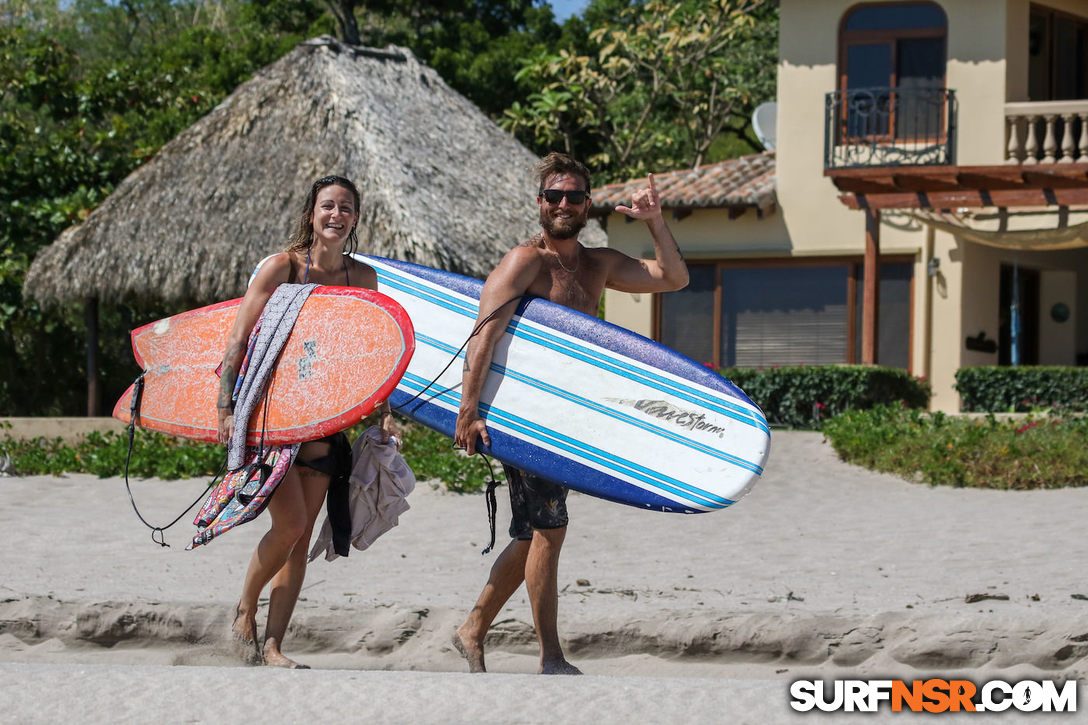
{"points": [[944, 189]]}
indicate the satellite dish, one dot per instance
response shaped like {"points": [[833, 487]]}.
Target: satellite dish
{"points": [[764, 123]]}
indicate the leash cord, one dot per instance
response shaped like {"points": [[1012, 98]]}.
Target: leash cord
{"points": [[157, 532], [492, 504], [457, 354]]}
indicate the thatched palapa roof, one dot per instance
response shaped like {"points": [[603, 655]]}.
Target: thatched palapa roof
{"points": [[441, 184]]}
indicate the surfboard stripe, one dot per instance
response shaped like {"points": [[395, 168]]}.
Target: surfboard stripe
{"points": [[679, 490], [645, 376], [611, 412], [528, 330]]}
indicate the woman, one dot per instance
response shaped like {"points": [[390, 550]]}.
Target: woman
{"points": [[317, 254]]}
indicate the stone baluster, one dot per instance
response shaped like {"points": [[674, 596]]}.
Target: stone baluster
{"points": [[1050, 144], [1083, 148], [1067, 138], [1012, 152], [1031, 145]]}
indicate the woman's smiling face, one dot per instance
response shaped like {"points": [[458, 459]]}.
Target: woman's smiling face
{"points": [[334, 215]]}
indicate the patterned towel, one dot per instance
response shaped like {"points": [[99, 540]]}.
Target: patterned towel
{"points": [[277, 321]]}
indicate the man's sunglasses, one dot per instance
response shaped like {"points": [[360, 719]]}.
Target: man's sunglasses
{"points": [[574, 196]]}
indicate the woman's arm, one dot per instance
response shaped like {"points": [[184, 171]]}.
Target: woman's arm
{"points": [[272, 273]]}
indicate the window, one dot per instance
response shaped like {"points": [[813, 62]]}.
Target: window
{"points": [[783, 316], [1057, 56], [770, 313], [892, 68]]}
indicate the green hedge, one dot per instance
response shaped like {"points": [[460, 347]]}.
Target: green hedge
{"points": [[1029, 452], [154, 455], [806, 396], [1022, 389]]}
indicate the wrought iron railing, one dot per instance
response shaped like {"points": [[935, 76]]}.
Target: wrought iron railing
{"points": [[889, 127]]}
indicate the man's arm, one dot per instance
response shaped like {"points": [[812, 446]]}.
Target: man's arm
{"points": [[667, 270], [504, 285]]}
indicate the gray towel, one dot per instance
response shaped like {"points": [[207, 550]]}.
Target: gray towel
{"points": [[276, 323]]}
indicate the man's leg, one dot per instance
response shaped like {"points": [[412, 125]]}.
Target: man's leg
{"points": [[506, 576], [542, 583]]}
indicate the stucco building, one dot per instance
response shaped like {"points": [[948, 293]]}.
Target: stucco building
{"points": [[925, 207]]}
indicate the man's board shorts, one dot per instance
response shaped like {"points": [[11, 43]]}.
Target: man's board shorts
{"points": [[535, 503]]}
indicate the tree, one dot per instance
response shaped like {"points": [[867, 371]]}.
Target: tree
{"points": [[475, 45], [344, 12], [90, 90], [656, 86]]}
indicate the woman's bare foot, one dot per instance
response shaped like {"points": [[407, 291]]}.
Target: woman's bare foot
{"points": [[244, 638], [274, 658], [471, 651], [559, 667]]}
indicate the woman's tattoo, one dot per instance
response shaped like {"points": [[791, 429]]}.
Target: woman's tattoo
{"points": [[226, 387]]}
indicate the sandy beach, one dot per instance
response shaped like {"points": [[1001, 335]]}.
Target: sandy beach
{"points": [[823, 570]]}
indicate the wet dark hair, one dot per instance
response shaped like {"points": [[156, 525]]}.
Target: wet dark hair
{"points": [[557, 163], [303, 236]]}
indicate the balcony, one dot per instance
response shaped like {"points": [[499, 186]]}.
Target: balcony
{"points": [[1051, 132], [867, 127]]}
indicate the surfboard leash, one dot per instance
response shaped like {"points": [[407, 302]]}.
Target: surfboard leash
{"points": [[157, 532], [492, 503], [457, 354]]}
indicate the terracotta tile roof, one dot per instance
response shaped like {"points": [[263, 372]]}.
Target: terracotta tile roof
{"points": [[744, 182]]}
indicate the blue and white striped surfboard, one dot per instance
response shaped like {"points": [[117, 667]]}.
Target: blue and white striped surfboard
{"points": [[580, 401]]}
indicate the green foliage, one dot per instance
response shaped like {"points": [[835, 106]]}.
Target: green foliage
{"points": [[153, 456], [429, 454], [654, 87], [1025, 453], [92, 90], [1022, 389], [475, 45], [806, 396]]}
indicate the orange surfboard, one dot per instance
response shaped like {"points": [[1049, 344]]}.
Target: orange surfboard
{"points": [[347, 351]]}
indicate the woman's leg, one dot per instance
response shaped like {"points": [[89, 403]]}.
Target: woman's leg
{"points": [[287, 510], [287, 581]]}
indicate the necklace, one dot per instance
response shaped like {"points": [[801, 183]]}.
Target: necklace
{"points": [[577, 260]]}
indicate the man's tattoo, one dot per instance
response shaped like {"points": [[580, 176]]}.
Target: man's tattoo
{"points": [[466, 368]]}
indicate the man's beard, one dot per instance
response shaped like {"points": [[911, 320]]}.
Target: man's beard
{"points": [[562, 228]]}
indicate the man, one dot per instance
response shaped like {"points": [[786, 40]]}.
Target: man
{"points": [[553, 265]]}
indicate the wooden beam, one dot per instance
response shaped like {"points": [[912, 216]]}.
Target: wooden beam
{"points": [[953, 178], [871, 295], [866, 185], [925, 182], [1054, 180], [996, 179], [967, 198], [90, 319]]}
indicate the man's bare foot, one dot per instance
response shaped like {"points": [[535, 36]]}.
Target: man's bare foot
{"points": [[559, 667], [274, 658], [244, 638], [471, 651]]}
